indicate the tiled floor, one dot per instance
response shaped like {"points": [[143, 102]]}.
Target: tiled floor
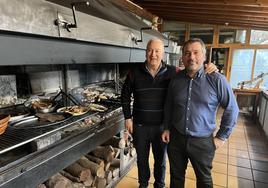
{"points": [[241, 163]]}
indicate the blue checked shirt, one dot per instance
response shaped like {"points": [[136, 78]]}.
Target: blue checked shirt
{"points": [[192, 103]]}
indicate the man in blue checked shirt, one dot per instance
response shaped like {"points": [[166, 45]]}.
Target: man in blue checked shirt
{"points": [[190, 114]]}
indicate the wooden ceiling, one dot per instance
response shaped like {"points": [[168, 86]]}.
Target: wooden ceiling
{"points": [[239, 13]]}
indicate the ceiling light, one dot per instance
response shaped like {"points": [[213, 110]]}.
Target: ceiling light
{"points": [[134, 4]]}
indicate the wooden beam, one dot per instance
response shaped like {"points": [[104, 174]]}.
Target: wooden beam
{"points": [[136, 10], [240, 8], [226, 17], [261, 16], [223, 19], [245, 13], [216, 2], [217, 22]]}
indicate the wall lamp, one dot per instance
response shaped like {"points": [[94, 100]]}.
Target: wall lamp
{"points": [[64, 23], [141, 31]]}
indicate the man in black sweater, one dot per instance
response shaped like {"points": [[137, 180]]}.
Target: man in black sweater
{"points": [[148, 83]]}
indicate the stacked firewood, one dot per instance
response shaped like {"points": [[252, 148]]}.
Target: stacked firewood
{"points": [[96, 169]]}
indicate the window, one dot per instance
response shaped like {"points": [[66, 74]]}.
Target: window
{"points": [[229, 35], [261, 65], [203, 32], [175, 31], [259, 37], [242, 66]]}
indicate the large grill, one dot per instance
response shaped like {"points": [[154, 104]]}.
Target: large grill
{"points": [[14, 138], [23, 166]]}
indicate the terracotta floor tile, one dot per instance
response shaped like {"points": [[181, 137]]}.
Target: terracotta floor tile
{"points": [[151, 180], [240, 172], [190, 173], [259, 165], [133, 173], [236, 161], [167, 180], [216, 186], [256, 143], [234, 182], [189, 164], [240, 123], [238, 153], [240, 135], [238, 132], [260, 176], [220, 158], [258, 157], [223, 150], [237, 140], [219, 167], [128, 182], [260, 185], [238, 146], [219, 179], [245, 149], [253, 134], [151, 161], [258, 149], [190, 183], [260, 139], [251, 129], [239, 127]]}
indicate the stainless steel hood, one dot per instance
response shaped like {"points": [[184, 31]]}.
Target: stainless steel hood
{"points": [[107, 10], [29, 36]]}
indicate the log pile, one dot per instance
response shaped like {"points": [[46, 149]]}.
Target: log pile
{"points": [[96, 169]]}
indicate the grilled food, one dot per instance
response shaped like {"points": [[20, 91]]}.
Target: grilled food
{"points": [[74, 110], [97, 107], [41, 104]]}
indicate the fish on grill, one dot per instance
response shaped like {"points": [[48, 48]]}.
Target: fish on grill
{"points": [[97, 107], [74, 110]]}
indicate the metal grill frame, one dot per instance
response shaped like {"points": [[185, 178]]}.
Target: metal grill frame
{"points": [[37, 167]]}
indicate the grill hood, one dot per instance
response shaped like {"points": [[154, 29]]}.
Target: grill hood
{"points": [[103, 34]]}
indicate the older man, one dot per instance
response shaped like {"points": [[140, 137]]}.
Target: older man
{"points": [[148, 83], [190, 114]]}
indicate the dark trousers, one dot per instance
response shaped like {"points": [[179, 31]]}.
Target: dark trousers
{"points": [[200, 151], [143, 138]]}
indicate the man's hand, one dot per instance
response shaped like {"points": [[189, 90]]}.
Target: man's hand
{"points": [[210, 68], [129, 125], [165, 136], [218, 142]]}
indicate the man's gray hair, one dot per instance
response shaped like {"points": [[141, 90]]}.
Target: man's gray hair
{"points": [[155, 39], [193, 40]]}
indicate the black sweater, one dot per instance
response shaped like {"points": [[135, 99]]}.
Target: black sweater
{"points": [[149, 94]]}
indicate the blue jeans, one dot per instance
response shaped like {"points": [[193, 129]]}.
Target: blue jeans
{"points": [[143, 138]]}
